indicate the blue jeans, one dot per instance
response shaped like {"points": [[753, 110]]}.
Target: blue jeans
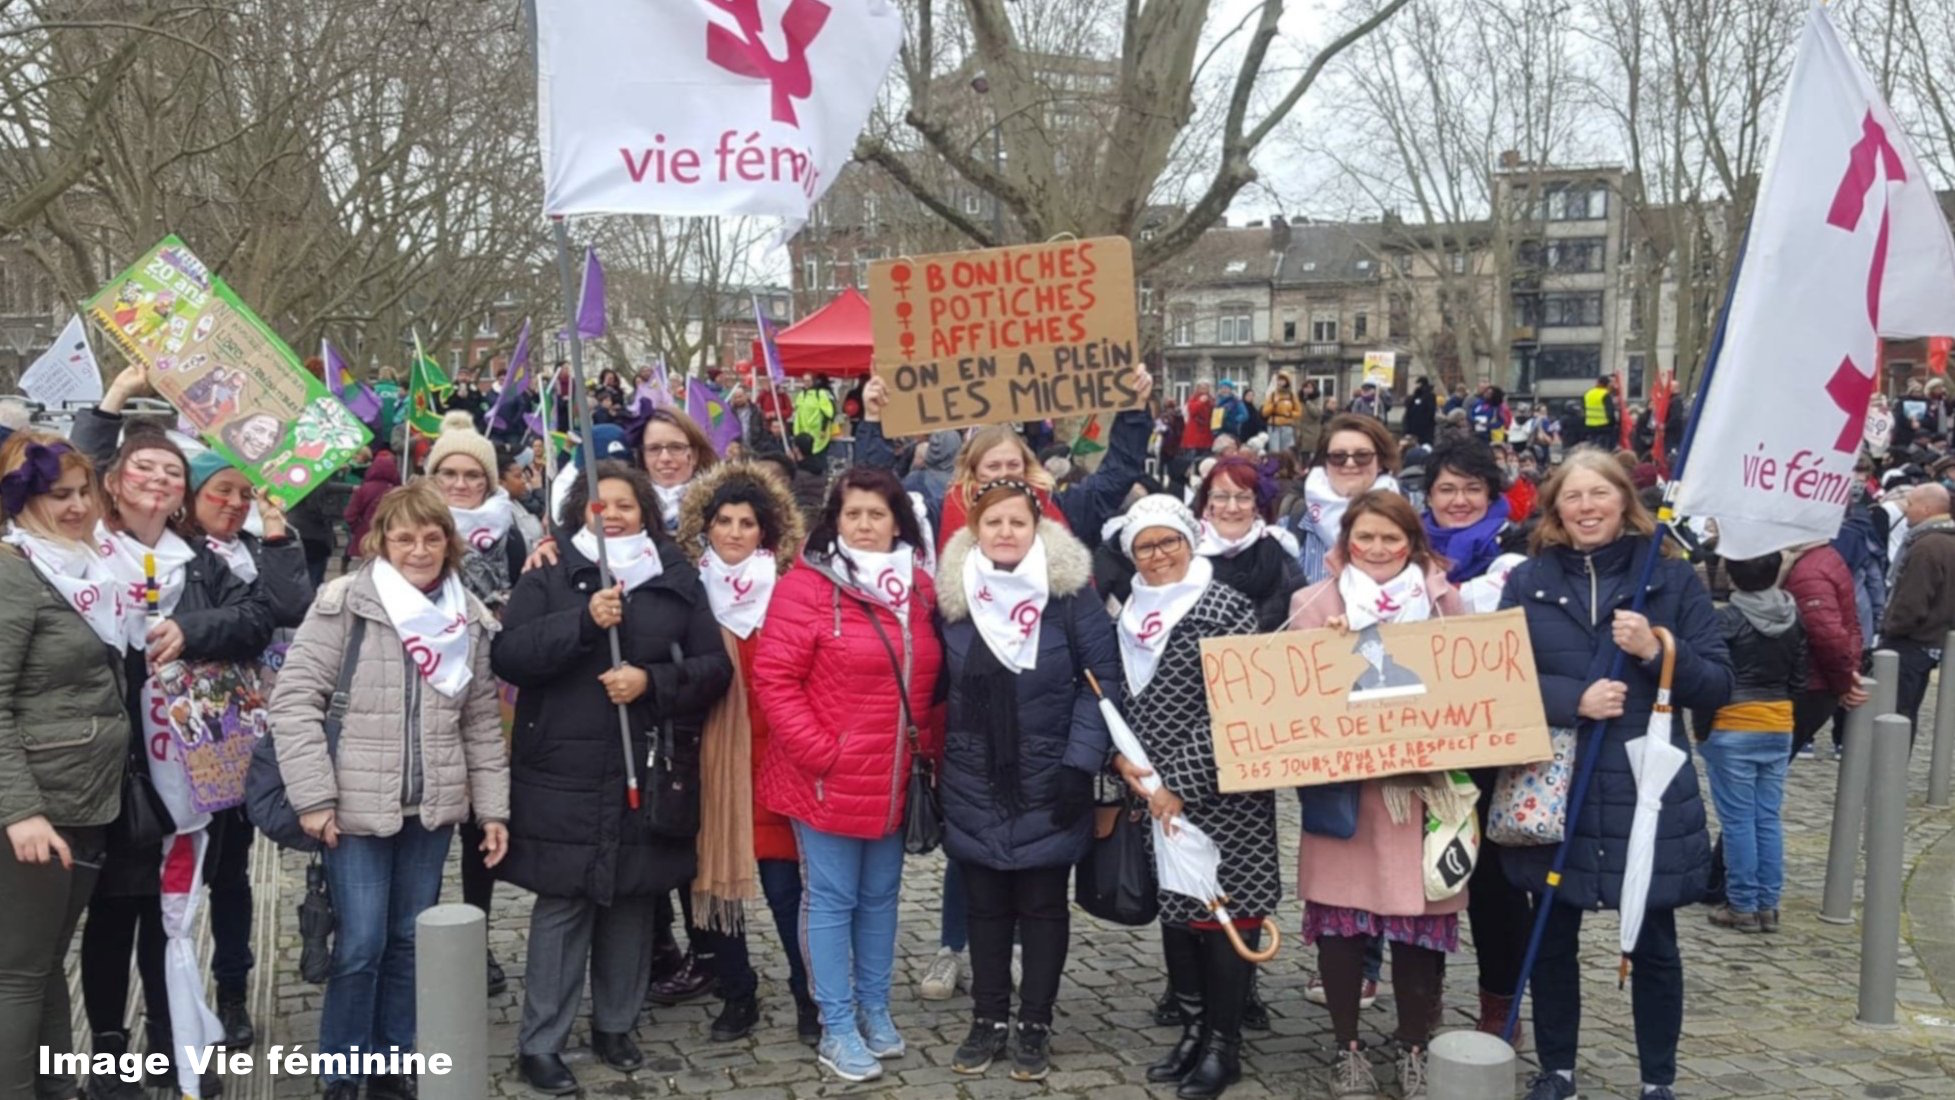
{"points": [[848, 907], [380, 885], [1748, 785], [956, 933]]}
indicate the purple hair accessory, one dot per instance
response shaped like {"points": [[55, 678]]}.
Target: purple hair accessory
{"points": [[36, 475]]}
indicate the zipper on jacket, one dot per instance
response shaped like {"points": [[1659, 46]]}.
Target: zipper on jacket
{"points": [[1594, 591]]}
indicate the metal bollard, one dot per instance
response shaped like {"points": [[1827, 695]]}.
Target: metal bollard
{"points": [[1880, 922], [1470, 1065], [1886, 695], [1849, 810], [451, 999], [1944, 748]]}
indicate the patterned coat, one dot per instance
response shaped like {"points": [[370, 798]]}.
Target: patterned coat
{"points": [[1170, 716]]}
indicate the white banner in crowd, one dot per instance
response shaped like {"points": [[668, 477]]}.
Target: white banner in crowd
{"points": [[1847, 244], [64, 372], [697, 107]]}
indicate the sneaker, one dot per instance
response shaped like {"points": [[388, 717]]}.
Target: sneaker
{"points": [[1810, 752], [1367, 996], [1726, 917], [1412, 1073], [1351, 1076], [879, 1032], [1661, 1092], [986, 1043], [1768, 920], [1031, 1060], [941, 977], [842, 1054], [1838, 754], [1549, 1085]]}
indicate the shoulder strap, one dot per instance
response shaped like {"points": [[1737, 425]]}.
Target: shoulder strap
{"points": [[896, 667], [342, 699]]}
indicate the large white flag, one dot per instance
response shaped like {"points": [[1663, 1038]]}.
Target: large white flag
{"points": [[66, 371], [697, 107], [1847, 244]]}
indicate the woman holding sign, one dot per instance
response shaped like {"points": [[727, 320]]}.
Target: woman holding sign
{"points": [[1177, 602], [1589, 552], [997, 451], [1022, 627], [1359, 455], [1363, 875], [1468, 524]]}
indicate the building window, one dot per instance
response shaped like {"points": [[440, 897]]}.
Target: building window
{"points": [[1636, 310], [1569, 310], [973, 205], [869, 209], [810, 271], [1568, 363], [1184, 327], [1146, 298], [1236, 325], [1399, 321], [1572, 202], [1289, 332], [1574, 255], [1235, 267], [1323, 328], [1147, 234], [1360, 326], [1457, 261], [1404, 260]]}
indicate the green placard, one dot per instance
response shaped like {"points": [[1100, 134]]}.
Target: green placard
{"points": [[227, 373]]}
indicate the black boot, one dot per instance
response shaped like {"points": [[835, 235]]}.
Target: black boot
{"points": [[807, 1021], [111, 1087], [236, 1018], [1255, 1014], [1182, 946], [615, 1049], [158, 1040], [736, 1019], [1167, 1010], [1225, 990], [546, 1073]]}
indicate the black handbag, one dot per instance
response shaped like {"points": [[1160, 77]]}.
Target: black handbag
{"points": [[265, 802], [923, 814], [145, 819], [1116, 881], [672, 783]]}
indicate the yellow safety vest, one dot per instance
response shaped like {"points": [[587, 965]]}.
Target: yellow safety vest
{"points": [[1595, 411]]}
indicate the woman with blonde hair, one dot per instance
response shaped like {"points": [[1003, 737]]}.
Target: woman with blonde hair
{"points": [[1589, 557], [997, 451]]}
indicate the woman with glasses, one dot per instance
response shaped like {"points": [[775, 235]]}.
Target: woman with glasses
{"points": [[1359, 455], [462, 464], [419, 751], [1468, 525], [1177, 602]]}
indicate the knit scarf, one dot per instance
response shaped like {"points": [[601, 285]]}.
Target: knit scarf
{"points": [[727, 877], [1007, 605], [84, 582], [1470, 549], [433, 629], [1150, 616]]}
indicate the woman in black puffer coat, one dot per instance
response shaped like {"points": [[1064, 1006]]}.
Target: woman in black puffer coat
{"points": [[1025, 738], [1589, 551], [596, 865]]}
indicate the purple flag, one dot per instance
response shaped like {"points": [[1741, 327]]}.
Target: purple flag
{"points": [[515, 381], [590, 303], [708, 410], [362, 402], [774, 371]]}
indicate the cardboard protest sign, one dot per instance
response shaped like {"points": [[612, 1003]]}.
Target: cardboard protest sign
{"points": [[1002, 334], [1380, 367], [1319, 706], [228, 375]]}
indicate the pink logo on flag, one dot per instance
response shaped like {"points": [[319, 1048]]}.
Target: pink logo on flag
{"points": [[1872, 159], [747, 55]]}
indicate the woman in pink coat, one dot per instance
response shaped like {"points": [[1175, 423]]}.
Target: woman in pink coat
{"points": [[1373, 883]]}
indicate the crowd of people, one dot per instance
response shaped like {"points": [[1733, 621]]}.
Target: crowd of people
{"points": [[725, 679]]}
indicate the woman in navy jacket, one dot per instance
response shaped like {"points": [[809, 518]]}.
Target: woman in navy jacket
{"points": [[1589, 550], [1022, 625]]}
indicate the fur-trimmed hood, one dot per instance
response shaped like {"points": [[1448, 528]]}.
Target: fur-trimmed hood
{"points": [[691, 535], [1067, 562]]}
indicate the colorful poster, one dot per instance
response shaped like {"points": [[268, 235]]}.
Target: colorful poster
{"points": [[229, 376], [216, 712], [1380, 367]]}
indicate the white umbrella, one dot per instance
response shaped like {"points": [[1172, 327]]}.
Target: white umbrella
{"points": [[1185, 859], [1655, 759]]}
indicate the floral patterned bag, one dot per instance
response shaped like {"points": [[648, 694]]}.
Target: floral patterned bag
{"points": [[1530, 801]]}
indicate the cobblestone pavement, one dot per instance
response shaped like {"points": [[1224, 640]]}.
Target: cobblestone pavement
{"points": [[1765, 1015]]}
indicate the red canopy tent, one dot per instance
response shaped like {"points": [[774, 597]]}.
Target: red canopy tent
{"points": [[833, 340]]}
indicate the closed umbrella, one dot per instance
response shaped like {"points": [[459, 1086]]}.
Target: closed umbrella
{"points": [[317, 922], [1655, 760], [1185, 859]]}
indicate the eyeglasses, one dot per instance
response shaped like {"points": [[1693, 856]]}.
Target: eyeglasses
{"points": [[1472, 490], [1351, 458], [668, 450], [461, 477], [1233, 500], [403, 543], [1160, 548]]}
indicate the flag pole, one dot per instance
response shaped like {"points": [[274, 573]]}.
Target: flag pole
{"points": [[1589, 752], [580, 404], [772, 354]]}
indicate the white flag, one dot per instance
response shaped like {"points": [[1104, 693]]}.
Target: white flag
{"points": [[701, 107], [1847, 244], [66, 371]]}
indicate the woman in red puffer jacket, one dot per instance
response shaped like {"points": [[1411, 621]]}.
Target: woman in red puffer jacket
{"points": [[846, 670]]}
